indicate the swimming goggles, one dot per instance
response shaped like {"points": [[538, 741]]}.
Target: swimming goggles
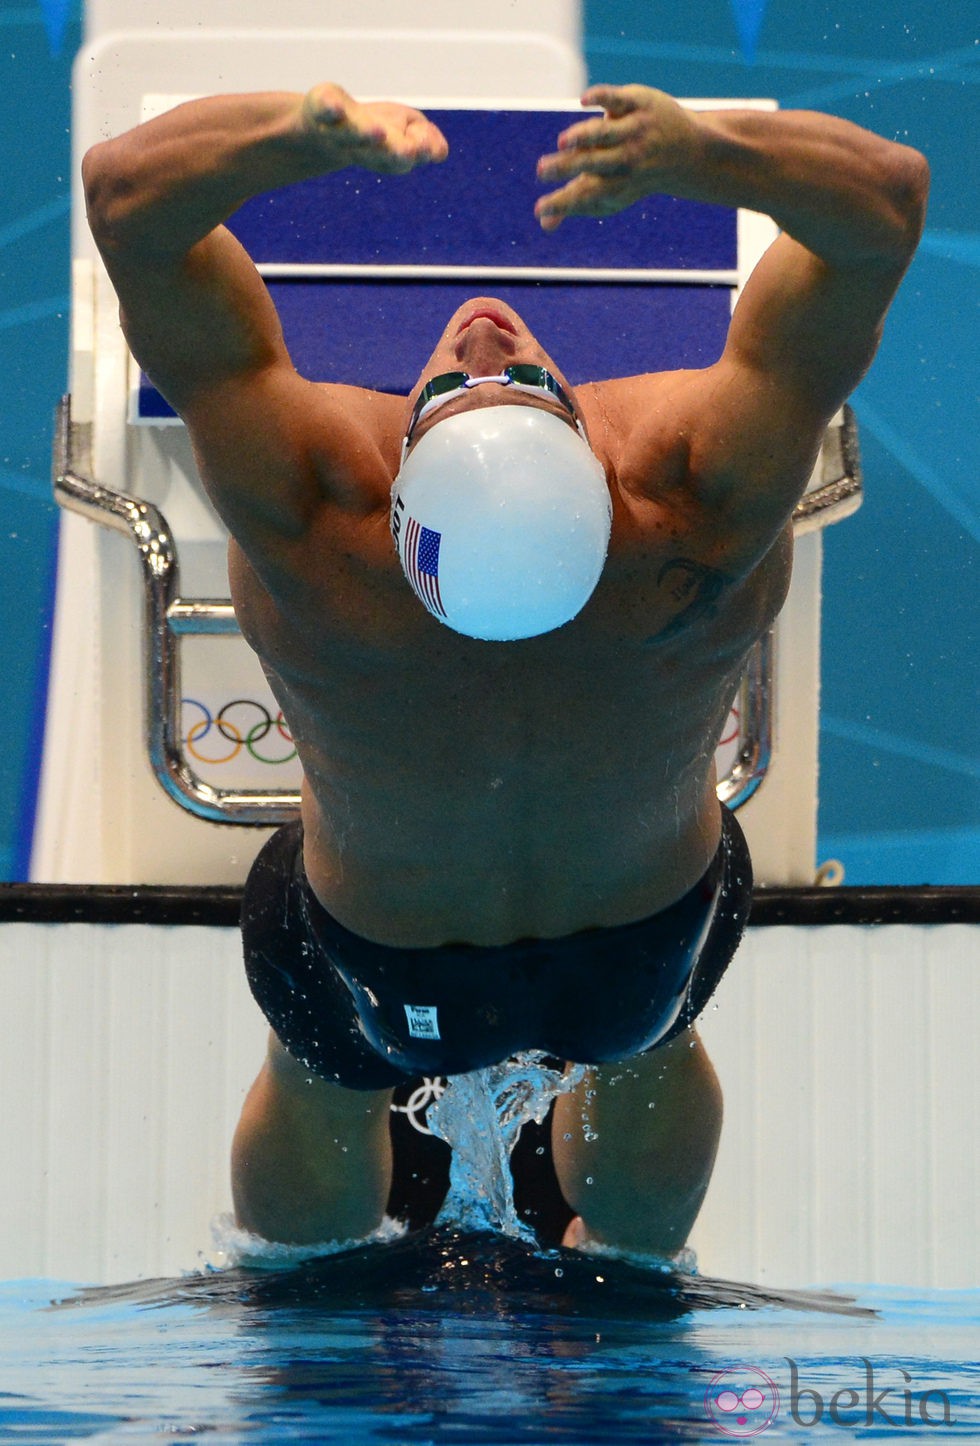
{"points": [[523, 377]]}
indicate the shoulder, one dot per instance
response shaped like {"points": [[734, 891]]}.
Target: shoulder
{"points": [[638, 426], [718, 455], [274, 450]]}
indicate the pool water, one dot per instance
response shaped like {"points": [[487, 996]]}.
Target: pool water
{"points": [[443, 1336], [469, 1330]]}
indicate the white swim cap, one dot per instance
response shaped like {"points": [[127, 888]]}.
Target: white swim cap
{"points": [[501, 516]]}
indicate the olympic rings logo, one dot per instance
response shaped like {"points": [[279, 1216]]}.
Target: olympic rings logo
{"points": [[249, 729], [733, 725], [418, 1102]]}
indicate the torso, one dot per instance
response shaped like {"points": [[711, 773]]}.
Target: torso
{"points": [[464, 791]]}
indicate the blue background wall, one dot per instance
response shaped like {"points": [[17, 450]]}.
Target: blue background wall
{"points": [[900, 788]]}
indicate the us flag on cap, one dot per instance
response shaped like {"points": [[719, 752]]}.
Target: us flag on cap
{"points": [[421, 557]]}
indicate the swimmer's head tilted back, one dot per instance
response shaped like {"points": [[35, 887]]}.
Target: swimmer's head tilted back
{"points": [[501, 516]]}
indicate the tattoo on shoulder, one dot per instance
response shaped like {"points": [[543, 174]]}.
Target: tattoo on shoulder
{"points": [[693, 589]]}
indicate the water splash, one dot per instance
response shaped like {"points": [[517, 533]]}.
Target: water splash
{"points": [[480, 1116], [232, 1246]]}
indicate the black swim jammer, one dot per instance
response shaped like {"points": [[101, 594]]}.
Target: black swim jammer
{"points": [[369, 1015]]}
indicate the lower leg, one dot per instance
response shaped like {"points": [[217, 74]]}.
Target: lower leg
{"points": [[311, 1160], [656, 1120]]}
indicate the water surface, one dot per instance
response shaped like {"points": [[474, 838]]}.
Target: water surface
{"points": [[444, 1336]]}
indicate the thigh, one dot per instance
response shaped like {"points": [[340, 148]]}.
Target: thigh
{"points": [[634, 1102], [635, 1144], [311, 1160]]}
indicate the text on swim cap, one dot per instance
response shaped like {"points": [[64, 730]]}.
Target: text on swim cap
{"points": [[396, 519]]}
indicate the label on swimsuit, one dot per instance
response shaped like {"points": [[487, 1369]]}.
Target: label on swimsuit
{"points": [[423, 1021]]}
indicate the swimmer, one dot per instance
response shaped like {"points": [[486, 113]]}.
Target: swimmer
{"points": [[510, 835]]}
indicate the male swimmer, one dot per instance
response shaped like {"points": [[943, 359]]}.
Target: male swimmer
{"points": [[510, 834]]}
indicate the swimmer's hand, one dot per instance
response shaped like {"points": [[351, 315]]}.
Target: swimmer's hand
{"points": [[644, 143], [381, 136]]}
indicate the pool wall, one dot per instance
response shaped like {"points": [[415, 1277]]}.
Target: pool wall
{"points": [[846, 1053]]}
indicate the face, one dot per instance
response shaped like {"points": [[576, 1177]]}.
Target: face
{"points": [[482, 337]]}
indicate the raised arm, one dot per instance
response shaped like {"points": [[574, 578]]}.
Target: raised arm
{"points": [[195, 311], [850, 206]]}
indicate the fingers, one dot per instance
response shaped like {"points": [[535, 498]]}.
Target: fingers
{"points": [[643, 139], [328, 106], [596, 145], [337, 118], [438, 146], [404, 139], [600, 161], [621, 121], [383, 136], [425, 141], [584, 196], [616, 100], [398, 154], [549, 214], [596, 134]]}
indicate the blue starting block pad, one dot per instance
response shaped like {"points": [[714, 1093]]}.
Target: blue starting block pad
{"points": [[365, 270]]}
